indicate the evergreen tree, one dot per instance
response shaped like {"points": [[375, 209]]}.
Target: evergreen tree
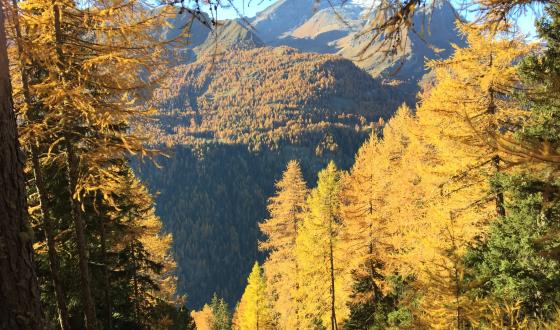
{"points": [[516, 264], [221, 316]]}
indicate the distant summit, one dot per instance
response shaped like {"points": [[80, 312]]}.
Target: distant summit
{"points": [[229, 35]]}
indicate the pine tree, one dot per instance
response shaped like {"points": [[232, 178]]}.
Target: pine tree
{"points": [[221, 315], [281, 267]]}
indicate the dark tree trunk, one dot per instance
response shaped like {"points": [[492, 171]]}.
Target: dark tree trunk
{"points": [[79, 226], [500, 209], [106, 280], [135, 284], [51, 244], [19, 293], [41, 188]]}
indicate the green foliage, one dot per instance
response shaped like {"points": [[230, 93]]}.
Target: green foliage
{"points": [[514, 263], [221, 315], [542, 74], [372, 309], [131, 278]]}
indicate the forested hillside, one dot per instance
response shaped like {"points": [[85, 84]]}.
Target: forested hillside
{"points": [[266, 96], [447, 220], [162, 168], [229, 120]]}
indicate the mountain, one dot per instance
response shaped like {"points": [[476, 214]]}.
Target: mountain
{"points": [[283, 16], [264, 96], [322, 31], [232, 121], [241, 101], [431, 37], [229, 35], [343, 30]]}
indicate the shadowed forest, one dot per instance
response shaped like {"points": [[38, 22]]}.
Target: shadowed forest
{"points": [[322, 165]]}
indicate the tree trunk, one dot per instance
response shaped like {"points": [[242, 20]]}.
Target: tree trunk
{"points": [[19, 293], [493, 109], [40, 185], [333, 312], [107, 282], [87, 300], [296, 284], [135, 283], [51, 244], [500, 209]]}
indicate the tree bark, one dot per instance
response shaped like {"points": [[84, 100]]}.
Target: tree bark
{"points": [[19, 292], [500, 209], [135, 283], [87, 300], [106, 280], [334, 325], [54, 263], [40, 185]]}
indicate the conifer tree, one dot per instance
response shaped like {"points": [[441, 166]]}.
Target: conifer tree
{"points": [[460, 116], [203, 318], [379, 227], [472, 93], [19, 294], [255, 311], [529, 229], [317, 254], [221, 315], [281, 267], [98, 58], [33, 110]]}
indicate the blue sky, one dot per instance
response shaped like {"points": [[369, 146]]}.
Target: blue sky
{"points": [[250, 7]]}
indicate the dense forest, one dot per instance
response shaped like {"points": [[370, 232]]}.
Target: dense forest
{"points": [[371, 214], [234, 123], [448, 218], [101, 259]]}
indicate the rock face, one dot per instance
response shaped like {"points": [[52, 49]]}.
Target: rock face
{"points": [[243, 100]]}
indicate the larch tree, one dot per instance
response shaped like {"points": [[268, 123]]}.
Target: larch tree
{"points": [[280, 230], [95, 61], [522, 289], [383, 197], [26, 104], [469, 104], [19, 294], [204, 319], [255, 311], [317, 253]]}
